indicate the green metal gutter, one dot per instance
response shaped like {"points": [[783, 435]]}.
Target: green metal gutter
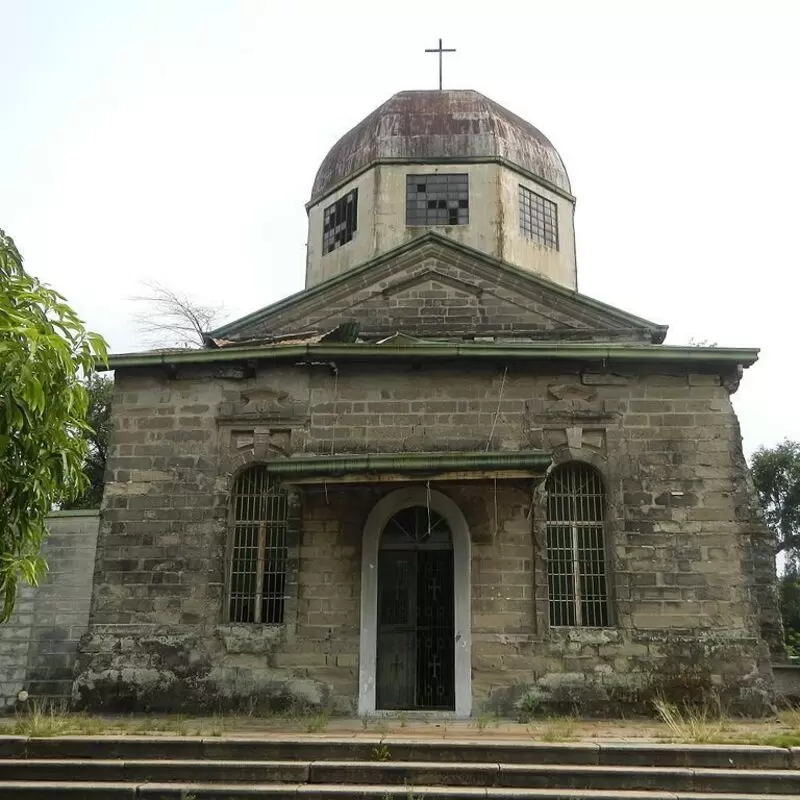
{"points": [[330, 466], [535, 351]]}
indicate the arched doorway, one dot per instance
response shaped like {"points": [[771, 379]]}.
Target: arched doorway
{"points": [[416, 613], [452, 526]]}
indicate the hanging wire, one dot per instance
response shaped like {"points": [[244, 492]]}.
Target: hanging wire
{"points": [[428, 504], [529, 515], [335, 397], [497, 412]]}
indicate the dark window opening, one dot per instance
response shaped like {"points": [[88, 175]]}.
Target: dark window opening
{"points": [[538, 218], [437, 199], [339, 222], [576, 553], [259, 513]]}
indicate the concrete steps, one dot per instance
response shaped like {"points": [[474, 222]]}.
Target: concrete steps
{"points": [[475, 750], [48, 790], [409, 773], [396, 769]]}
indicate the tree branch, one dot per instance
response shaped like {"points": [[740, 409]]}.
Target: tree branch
{"points": [[174, 320]]}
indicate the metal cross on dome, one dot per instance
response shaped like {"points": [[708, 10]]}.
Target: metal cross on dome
{"points": [[440, 50]]}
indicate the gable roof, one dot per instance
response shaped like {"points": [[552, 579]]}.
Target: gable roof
{"points": [[468, 294]]}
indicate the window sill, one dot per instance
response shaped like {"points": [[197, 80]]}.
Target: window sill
{"points": [[582, 635], [252, 638]]}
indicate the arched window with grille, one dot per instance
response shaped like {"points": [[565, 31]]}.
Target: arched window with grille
{"points": [[257, 576], [576, 553]]}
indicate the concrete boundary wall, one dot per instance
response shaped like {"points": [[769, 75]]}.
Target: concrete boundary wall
{"points": [[38, 644]]}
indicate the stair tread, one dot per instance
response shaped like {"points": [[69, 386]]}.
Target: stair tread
{"points": [[477, 766], [432, 743], [379, 792]]}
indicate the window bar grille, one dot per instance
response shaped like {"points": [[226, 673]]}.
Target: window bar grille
{"points": [[538, 218], [576, 572], [437, 199], [575, 547], [262, 530], [258, 550]]}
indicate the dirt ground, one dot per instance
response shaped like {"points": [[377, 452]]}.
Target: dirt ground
{"points": [[782, 730]]}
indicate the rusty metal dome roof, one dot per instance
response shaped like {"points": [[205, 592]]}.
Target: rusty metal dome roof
{"points": [[447, 125]]}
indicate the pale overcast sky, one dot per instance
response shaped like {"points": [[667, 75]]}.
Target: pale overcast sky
{"points": [[177, 140]]}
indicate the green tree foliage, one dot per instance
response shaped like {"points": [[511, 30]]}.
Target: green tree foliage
{"points": [[776, 475], [44, 352], [790, 609], [98, 414]]}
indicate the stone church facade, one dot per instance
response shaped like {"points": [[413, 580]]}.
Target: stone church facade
{"points": [[437, 479]]}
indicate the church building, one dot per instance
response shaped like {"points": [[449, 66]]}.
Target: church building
{"points": [[439, 478]]}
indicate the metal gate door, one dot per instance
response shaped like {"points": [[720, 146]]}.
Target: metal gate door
{"points": [[415, 642]]}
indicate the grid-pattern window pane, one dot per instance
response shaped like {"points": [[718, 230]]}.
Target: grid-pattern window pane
{"points": [[576, 557], [538, 218], [258, 551], [437, 199], [339, 222]]}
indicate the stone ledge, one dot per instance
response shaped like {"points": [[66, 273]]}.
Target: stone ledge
{"points": [[74, 512], [251, 639]]}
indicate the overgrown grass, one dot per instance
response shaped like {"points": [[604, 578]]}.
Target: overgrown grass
{"points": [[481, 721], [484, 719], [45, 719], [558, 729], [382, 726], [529, 704], [381, 753], [778, 740], [790, 717], [699, 725], [177, 724], [318, 722]]}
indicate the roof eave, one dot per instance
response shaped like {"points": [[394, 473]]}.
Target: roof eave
{"points": [[582, 352]]}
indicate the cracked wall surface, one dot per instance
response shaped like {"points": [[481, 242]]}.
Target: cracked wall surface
{"points": [[692, 580]]}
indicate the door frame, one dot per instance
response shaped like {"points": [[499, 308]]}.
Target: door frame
{"points": [[380, 515]]}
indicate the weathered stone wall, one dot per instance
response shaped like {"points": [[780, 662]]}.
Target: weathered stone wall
{"points": [[787, 683], [690, 584], [39, 643]]}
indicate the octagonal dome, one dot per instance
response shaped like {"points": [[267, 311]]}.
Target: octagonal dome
{"points": [[448, 125]]}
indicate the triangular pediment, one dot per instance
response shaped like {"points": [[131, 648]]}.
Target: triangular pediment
{"points": [[434, 288], [435, 280]]}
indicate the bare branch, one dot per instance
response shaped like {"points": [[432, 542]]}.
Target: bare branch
{"points": [[172, 319]]}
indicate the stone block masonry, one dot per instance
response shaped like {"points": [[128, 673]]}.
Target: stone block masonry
{"points": [[689, 563], [38, 645]]}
